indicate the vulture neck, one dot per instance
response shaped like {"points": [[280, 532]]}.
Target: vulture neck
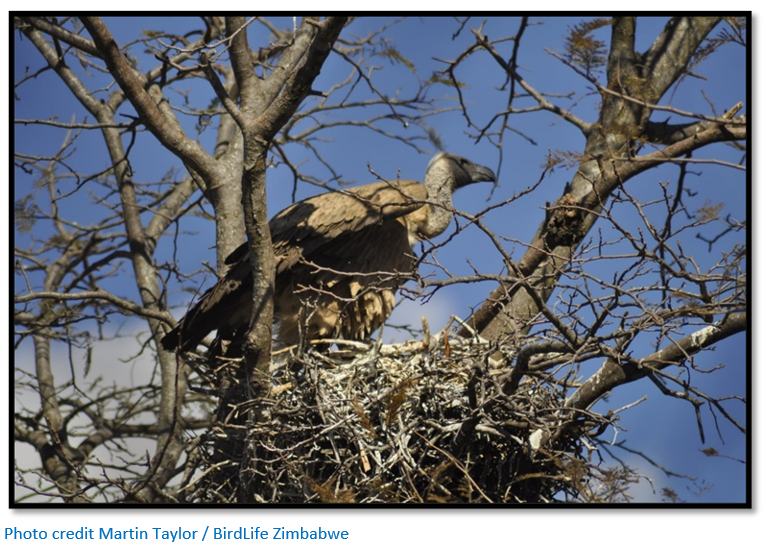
{"points": [[440, 186]]}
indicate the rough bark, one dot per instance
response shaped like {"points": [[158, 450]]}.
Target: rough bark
{"points": [[606, 157]]}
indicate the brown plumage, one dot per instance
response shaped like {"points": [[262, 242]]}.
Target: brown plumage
{"points": [[340, 257]]}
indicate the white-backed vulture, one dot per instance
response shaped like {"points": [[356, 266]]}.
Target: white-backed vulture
{"points": [[340, 257]]}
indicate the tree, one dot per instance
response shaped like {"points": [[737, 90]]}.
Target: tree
{"points": [[633, 273]]}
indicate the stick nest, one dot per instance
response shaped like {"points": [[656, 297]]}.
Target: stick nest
{"points": [[417, 422]]}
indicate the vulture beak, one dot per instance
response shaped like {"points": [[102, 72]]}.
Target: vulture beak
{"points": [[481, 173], [472, 172]]}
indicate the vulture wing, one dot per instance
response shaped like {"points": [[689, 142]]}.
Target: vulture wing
{"points": [[224, 306], [359, 230], [301, 230]]}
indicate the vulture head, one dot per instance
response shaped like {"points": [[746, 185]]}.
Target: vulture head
{"points": [[445, 174]]}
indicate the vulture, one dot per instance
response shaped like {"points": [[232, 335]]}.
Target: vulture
{"points": [[339, 259]]}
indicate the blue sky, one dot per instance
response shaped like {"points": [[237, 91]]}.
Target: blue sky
{"points": [[663, 428]]}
